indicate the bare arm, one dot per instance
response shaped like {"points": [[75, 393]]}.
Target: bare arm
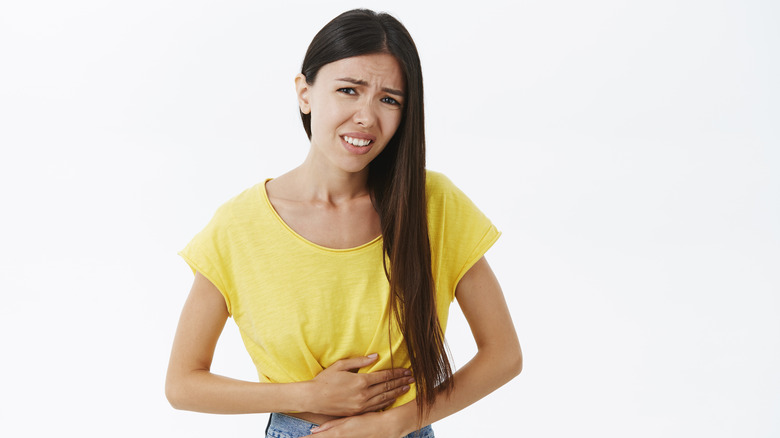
{"points": [[497, 361], [190, 385]]}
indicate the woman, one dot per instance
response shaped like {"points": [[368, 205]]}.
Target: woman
{"points": [[346, 263]]}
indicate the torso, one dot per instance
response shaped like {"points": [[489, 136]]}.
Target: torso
{"points": [[349, 224], [346, 224]]}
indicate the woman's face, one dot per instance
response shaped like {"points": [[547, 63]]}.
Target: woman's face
{"points": [[356, 106]]}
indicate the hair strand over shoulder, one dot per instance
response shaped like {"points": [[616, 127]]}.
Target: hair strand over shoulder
{"points": [[396, 181]]}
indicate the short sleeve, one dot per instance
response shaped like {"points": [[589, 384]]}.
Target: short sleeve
{"points": [[460, 233], [209, 253]]}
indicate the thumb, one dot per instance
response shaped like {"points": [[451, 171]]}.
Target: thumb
{"points": [[325, 426], [356, 362]]}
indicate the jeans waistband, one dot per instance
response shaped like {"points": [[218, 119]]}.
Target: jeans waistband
{"points": [[282, 426]]}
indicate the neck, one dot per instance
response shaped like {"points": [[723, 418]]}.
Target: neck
{"points": [[329, 184]]}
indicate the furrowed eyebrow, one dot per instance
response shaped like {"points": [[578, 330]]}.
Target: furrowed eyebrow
{"points": [[398, 93]]}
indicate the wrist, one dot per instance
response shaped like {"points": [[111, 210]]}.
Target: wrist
{"points": [[402, 420], [302, 399]]}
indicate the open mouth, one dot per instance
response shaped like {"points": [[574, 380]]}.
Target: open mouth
{"points": [[359, 142]]}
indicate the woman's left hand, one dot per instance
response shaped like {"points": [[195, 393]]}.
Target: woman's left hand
{"points": [[369, 425]]}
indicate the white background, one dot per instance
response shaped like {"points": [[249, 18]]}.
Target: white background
{"points": [[627, 150]]}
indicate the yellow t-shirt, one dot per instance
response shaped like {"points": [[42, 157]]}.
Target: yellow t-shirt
{"points": [[300, 307]]}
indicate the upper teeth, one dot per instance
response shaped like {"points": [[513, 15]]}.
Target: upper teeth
{"points": [[357, 141]]}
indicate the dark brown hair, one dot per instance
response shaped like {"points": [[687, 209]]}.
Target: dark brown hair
{"points": [[396, 180]]}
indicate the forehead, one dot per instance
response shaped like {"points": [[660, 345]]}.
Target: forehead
{"points": [[380, 69]]}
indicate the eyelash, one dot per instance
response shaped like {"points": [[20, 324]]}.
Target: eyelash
{"points": [[392, 101], [352, 92]]}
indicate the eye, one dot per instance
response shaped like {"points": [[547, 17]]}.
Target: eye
{"points": [[350, 91], [391, 101]]}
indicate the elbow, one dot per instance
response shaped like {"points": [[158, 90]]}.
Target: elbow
{"points": [[184, 390], [518, 365], [506, 360], [515, 361], [173, 392], [172, 396]]}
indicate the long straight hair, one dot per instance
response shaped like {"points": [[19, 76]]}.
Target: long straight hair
{"points": [[396, 181]]}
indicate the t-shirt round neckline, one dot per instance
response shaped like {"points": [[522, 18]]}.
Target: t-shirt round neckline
{"points": [[267, 200]]}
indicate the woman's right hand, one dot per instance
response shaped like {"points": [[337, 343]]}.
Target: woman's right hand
{"points": [[335, 392], [340, 391]]}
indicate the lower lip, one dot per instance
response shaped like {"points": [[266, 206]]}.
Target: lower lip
{"points": [[357, 150]]}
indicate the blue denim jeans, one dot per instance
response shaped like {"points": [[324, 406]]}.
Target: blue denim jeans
{"points": [[284, 426]]}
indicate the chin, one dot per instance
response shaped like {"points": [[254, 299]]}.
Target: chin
{"points": [[354, 164], [355, 169]]}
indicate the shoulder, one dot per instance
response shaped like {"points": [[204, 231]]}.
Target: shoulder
{"points": [[439, 189], [235, 214], [241, 205], [444, 198], [437, 184], [436, 180], [459, 232]]}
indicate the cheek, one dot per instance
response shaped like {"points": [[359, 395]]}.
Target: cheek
{"points": [[321, 123], [326, 120], [392, 122]]}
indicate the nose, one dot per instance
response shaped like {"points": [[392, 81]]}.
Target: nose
{"points": [[365, 114]]}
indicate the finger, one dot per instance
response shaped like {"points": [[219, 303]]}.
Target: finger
{"points": [[324, 426], [385, 402], [355, 362], [379, 407], [389, 385], [391, 394], [386, 375]]}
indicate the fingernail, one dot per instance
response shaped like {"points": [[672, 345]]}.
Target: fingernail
{"points": [[407, 373], [406, 388], [315, 428], [372, 356], [410, 380]]}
